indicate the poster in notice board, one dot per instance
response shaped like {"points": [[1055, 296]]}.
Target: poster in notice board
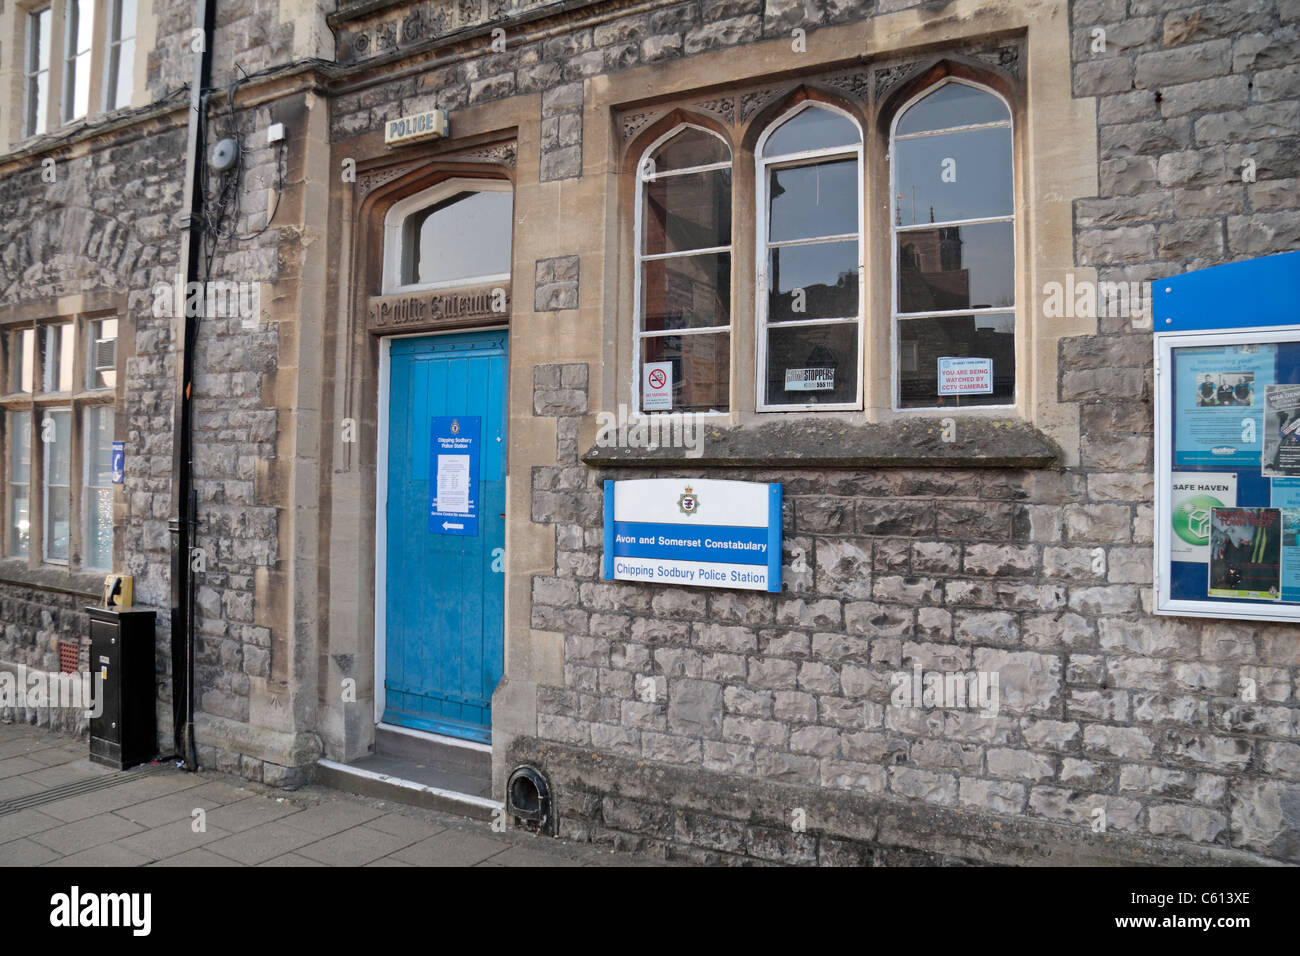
{"points": [[1233, 487]]}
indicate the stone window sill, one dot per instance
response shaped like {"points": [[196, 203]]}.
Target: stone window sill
{"points": [[813, 443], [87, 584]]}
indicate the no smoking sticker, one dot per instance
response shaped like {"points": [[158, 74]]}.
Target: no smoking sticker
{"points": [[657, 387]]}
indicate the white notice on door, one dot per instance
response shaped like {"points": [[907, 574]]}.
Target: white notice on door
{"points": [[453, 484]]}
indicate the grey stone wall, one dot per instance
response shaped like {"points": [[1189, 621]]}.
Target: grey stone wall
{"points": [[1040, 576], [103, 226], [1102, 705]]}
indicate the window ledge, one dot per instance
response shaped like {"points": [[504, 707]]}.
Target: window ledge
{"points": [[85, 584], [809, 443]]}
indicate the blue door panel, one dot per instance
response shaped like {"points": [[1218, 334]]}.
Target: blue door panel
{"points": [[445, 610]]}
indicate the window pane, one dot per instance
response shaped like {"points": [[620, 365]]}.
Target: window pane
{"points": [[688, 292], [816, 200], [79, 26], [81, 89], [922, 342], [99, 445], [953, 104], [99, 487], [813, 128], [125, 20], [40, 50], [953, 176], [701, 368], [22, 345], [20, 447], [101, 357], [956, 267], [816, 281], [38, 67], [690, 147], [84, 13], [815, 364], [462, 237], [56, 349], [37, 102], [20, 467], [56, 432], [688, 212], [121, 61]]}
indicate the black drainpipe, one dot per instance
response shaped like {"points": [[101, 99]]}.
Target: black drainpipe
{"points": [[183, 497]]}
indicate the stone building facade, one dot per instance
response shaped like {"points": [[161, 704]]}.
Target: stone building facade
{"points": [[708, 724]]}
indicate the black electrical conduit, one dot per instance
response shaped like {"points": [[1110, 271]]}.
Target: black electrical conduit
{"points": [[183, 497]]}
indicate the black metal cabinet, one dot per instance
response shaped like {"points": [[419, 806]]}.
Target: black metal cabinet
{"points": [[122, 659]]}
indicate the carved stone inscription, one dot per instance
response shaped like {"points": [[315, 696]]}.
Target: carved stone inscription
{"points": [[477, 305]]}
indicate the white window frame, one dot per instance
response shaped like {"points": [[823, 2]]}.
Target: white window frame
{"points": [[113, 47], [643, 176], [71, 54], [894, 230], [33, 124], [762, 165], [12, 434], [87, 489], [396, 216], [46, 464]]}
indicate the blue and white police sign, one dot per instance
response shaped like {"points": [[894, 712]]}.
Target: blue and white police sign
{"points": [[700, 533], [119, 462]]}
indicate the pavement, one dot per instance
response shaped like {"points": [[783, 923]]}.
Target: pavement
{"points": [[59, 809]]}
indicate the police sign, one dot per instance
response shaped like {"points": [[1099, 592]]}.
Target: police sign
{"points": [[409, 129]]}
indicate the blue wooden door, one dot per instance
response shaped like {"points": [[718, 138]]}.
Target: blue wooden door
{"points": [[444, 593]]}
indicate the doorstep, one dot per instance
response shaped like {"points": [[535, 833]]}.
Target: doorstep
{"points": [[420, 770]]}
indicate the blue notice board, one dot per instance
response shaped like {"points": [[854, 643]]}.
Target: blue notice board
{"points": [[453, 475], [1227, 416], [698, 533]]}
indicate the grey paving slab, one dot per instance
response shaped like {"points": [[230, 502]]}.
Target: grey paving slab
{"points": [[20, 786], [388, 861], [261, 843], [12, 766], [56, 775], [84, 834], [250, 812], [54, 756], [197, 857], [221, 791], [355, 847], [292, 859], [25, 823], [169, 809], [334, 816], [403, 825], [114, 798], [172, 839], [451, 848], [531, 856], [25, 852], [106, 854]]}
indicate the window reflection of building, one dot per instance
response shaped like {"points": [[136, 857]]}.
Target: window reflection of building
{"points": [[931, 275]]}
